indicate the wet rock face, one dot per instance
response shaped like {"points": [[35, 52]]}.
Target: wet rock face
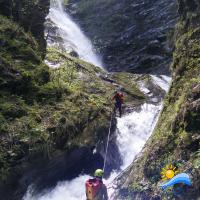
{"points": [[66, 167], [131, 35], [29, 14], [187, 6], [44, 173]]}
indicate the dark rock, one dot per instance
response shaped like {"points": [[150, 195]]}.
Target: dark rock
{"points": [[74, 54], [44, 173], [187, 5], [29, 15], [128, 33]]}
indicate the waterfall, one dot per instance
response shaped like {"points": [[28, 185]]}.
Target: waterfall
{"points": [[72, 36], [133, 130], [68, 190]]}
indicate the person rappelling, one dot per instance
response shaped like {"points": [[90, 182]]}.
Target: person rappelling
{"points": [[119, 100], [95, 188]]}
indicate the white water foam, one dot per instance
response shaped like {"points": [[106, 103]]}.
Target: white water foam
{"points": [[162, 81], [134, 130], [68, 190], [71, 34]]}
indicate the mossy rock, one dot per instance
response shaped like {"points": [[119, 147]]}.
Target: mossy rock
{"points": [[45, 110]]}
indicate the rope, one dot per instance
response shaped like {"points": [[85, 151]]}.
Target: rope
{"points": [[108, 140]]}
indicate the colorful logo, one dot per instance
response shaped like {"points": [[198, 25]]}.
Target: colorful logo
{"points": [[171, 176], [168, 172]]}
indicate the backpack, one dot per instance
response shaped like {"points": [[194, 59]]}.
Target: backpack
{"points": [[93, 186], [119, 98]]}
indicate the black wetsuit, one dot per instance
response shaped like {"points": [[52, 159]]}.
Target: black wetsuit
{"points": [[118, 103]]}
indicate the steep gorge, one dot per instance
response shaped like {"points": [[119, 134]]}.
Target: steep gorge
{"points": [[53, 119]]}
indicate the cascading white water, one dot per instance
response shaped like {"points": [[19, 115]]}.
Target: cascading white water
{"points": [[133, 131], [162, 81], [72, 36], [68, 190], [136, 127]]}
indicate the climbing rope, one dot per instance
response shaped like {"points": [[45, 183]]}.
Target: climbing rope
{"points": [[108, 140]]}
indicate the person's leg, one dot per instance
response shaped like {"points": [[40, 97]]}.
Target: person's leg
{"points": [[115, 109], [117, 106], [120, 110]]}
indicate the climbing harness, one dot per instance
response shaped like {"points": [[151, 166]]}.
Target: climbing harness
{"points": [[108, 139]]}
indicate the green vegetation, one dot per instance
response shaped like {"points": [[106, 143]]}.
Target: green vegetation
{"points": [[127, 82], [29, 14], [44, 110]]}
